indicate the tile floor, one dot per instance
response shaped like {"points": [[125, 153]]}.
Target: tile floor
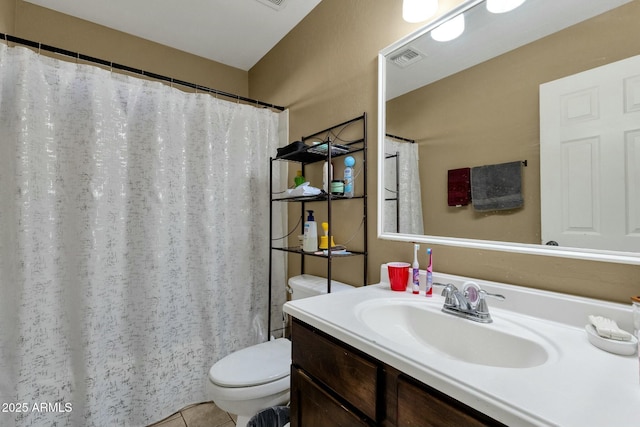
{"points": [[199, 415]]}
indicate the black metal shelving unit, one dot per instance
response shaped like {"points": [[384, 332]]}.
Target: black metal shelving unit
{"points": [[319, 147]]}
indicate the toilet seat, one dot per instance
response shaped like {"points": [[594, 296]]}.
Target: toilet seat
{"points": [[259, 364]]}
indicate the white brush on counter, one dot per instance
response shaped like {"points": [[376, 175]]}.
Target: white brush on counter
{"points": [[608, 328]]}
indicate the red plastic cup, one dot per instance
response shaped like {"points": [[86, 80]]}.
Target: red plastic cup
{"points": [[398, 275]]}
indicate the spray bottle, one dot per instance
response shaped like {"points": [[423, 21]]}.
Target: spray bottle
{"points": [[310, 239], [429, 289], [415, 269], [349, 162]]}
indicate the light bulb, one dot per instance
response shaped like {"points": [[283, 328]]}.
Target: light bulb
{"points": [[449, 30], [502, 6], [418, 10]]}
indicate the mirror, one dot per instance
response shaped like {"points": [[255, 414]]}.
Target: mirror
{"points": [[475, 101]]}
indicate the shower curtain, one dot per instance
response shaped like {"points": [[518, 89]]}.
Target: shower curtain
{"points": [[409, 190], [133, 242]]}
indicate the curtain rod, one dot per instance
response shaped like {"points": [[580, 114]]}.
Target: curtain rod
{"points": [[78, 56], [400, 138]]}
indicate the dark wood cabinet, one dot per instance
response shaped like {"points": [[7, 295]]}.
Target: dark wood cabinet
{"points": [[334, 384]]}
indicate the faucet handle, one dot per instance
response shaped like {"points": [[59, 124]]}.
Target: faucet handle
{"points": [[448, 293], [482, 307]]}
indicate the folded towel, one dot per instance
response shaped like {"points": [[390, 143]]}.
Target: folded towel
{"points": [[303, 189], [497, 187], [459, 188]]}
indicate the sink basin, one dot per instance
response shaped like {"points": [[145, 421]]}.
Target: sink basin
{"points": [[412, 323]]}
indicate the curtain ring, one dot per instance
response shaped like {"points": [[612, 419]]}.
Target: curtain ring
{"points": [[39, 48]]}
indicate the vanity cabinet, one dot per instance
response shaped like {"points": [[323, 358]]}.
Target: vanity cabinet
{"points": [[335, 384]]}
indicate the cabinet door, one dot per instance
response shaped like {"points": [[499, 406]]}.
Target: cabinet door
{"points": [[313, 407], [422, 406], [345, 371]]}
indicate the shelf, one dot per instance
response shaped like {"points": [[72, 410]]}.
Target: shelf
{"points": [[311, 153], [297, 250], [318, 198], [346, 138]]}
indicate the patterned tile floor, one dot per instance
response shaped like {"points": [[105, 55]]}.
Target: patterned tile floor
{"points": [[199, 415]]}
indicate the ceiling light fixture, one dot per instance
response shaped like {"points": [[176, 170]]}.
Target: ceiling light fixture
{"points": [[502, 6], [418, 10], [449, 30]]}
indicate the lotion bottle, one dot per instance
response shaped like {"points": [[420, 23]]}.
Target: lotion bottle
{"points": [[310, 239], [349, 162], [415, 269]]}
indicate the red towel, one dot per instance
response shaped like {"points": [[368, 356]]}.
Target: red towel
{"points": [[459, 185]]}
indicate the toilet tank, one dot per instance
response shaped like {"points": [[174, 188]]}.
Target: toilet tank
{"points": [[307, 285]]}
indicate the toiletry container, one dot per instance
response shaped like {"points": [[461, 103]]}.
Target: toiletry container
{"points": [[349, 162], [310, 239], [327, 176], [337, 187], [257, 377], [299, 179]]}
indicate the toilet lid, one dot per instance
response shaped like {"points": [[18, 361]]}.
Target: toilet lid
{"points": [[255, 365]]}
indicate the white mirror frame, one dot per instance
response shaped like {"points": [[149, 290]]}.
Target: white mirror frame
{"points": [[522, 248]]}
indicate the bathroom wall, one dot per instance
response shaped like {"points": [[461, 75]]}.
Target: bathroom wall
{"points": [[28, 21], [7, 13], [325, 70]]}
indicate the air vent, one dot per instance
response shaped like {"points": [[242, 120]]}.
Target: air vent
{"points": [[274, 4], [406, 57]]}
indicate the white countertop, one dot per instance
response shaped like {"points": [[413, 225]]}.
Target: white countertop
{"points": [[580, 385]]}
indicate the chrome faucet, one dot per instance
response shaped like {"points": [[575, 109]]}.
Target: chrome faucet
{"points": [[469, 303]]}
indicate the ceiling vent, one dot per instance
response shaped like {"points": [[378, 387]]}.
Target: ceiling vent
{"points": [[406, 57], [274, 4]]}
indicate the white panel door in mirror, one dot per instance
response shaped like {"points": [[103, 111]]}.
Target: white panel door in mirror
{"points": [[589, 165]]}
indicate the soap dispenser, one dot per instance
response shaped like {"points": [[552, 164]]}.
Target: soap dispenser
{"points": [[310, 239]]}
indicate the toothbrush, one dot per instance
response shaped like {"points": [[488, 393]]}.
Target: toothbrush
{"points": [[429, 289], [416, 269]]}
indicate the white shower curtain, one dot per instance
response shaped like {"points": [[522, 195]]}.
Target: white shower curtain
{"points": [[409, 195], [133, 241]]}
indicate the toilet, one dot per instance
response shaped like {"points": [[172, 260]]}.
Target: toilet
{"points": [[257, 377]]}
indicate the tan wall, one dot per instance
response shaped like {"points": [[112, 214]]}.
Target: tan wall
{"points": [[489, 114], [56, 29], [7, 14], [325, 70]]}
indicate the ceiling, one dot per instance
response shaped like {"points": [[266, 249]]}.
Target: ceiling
{"points": [[233, 32], [486, 35]]}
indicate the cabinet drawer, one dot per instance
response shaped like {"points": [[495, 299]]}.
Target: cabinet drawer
{"points": [[343, 370]]}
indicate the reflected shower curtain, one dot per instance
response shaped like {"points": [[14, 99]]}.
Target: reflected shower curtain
{"points": [[409, 196], [133, 242]]}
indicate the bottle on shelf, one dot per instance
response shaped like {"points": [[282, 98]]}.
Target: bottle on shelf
{"points": [[299, 179], [349, 162], [327, 176], [310, 239]]}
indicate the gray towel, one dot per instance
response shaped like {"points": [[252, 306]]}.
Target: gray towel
{"points": [[497, 187]]}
